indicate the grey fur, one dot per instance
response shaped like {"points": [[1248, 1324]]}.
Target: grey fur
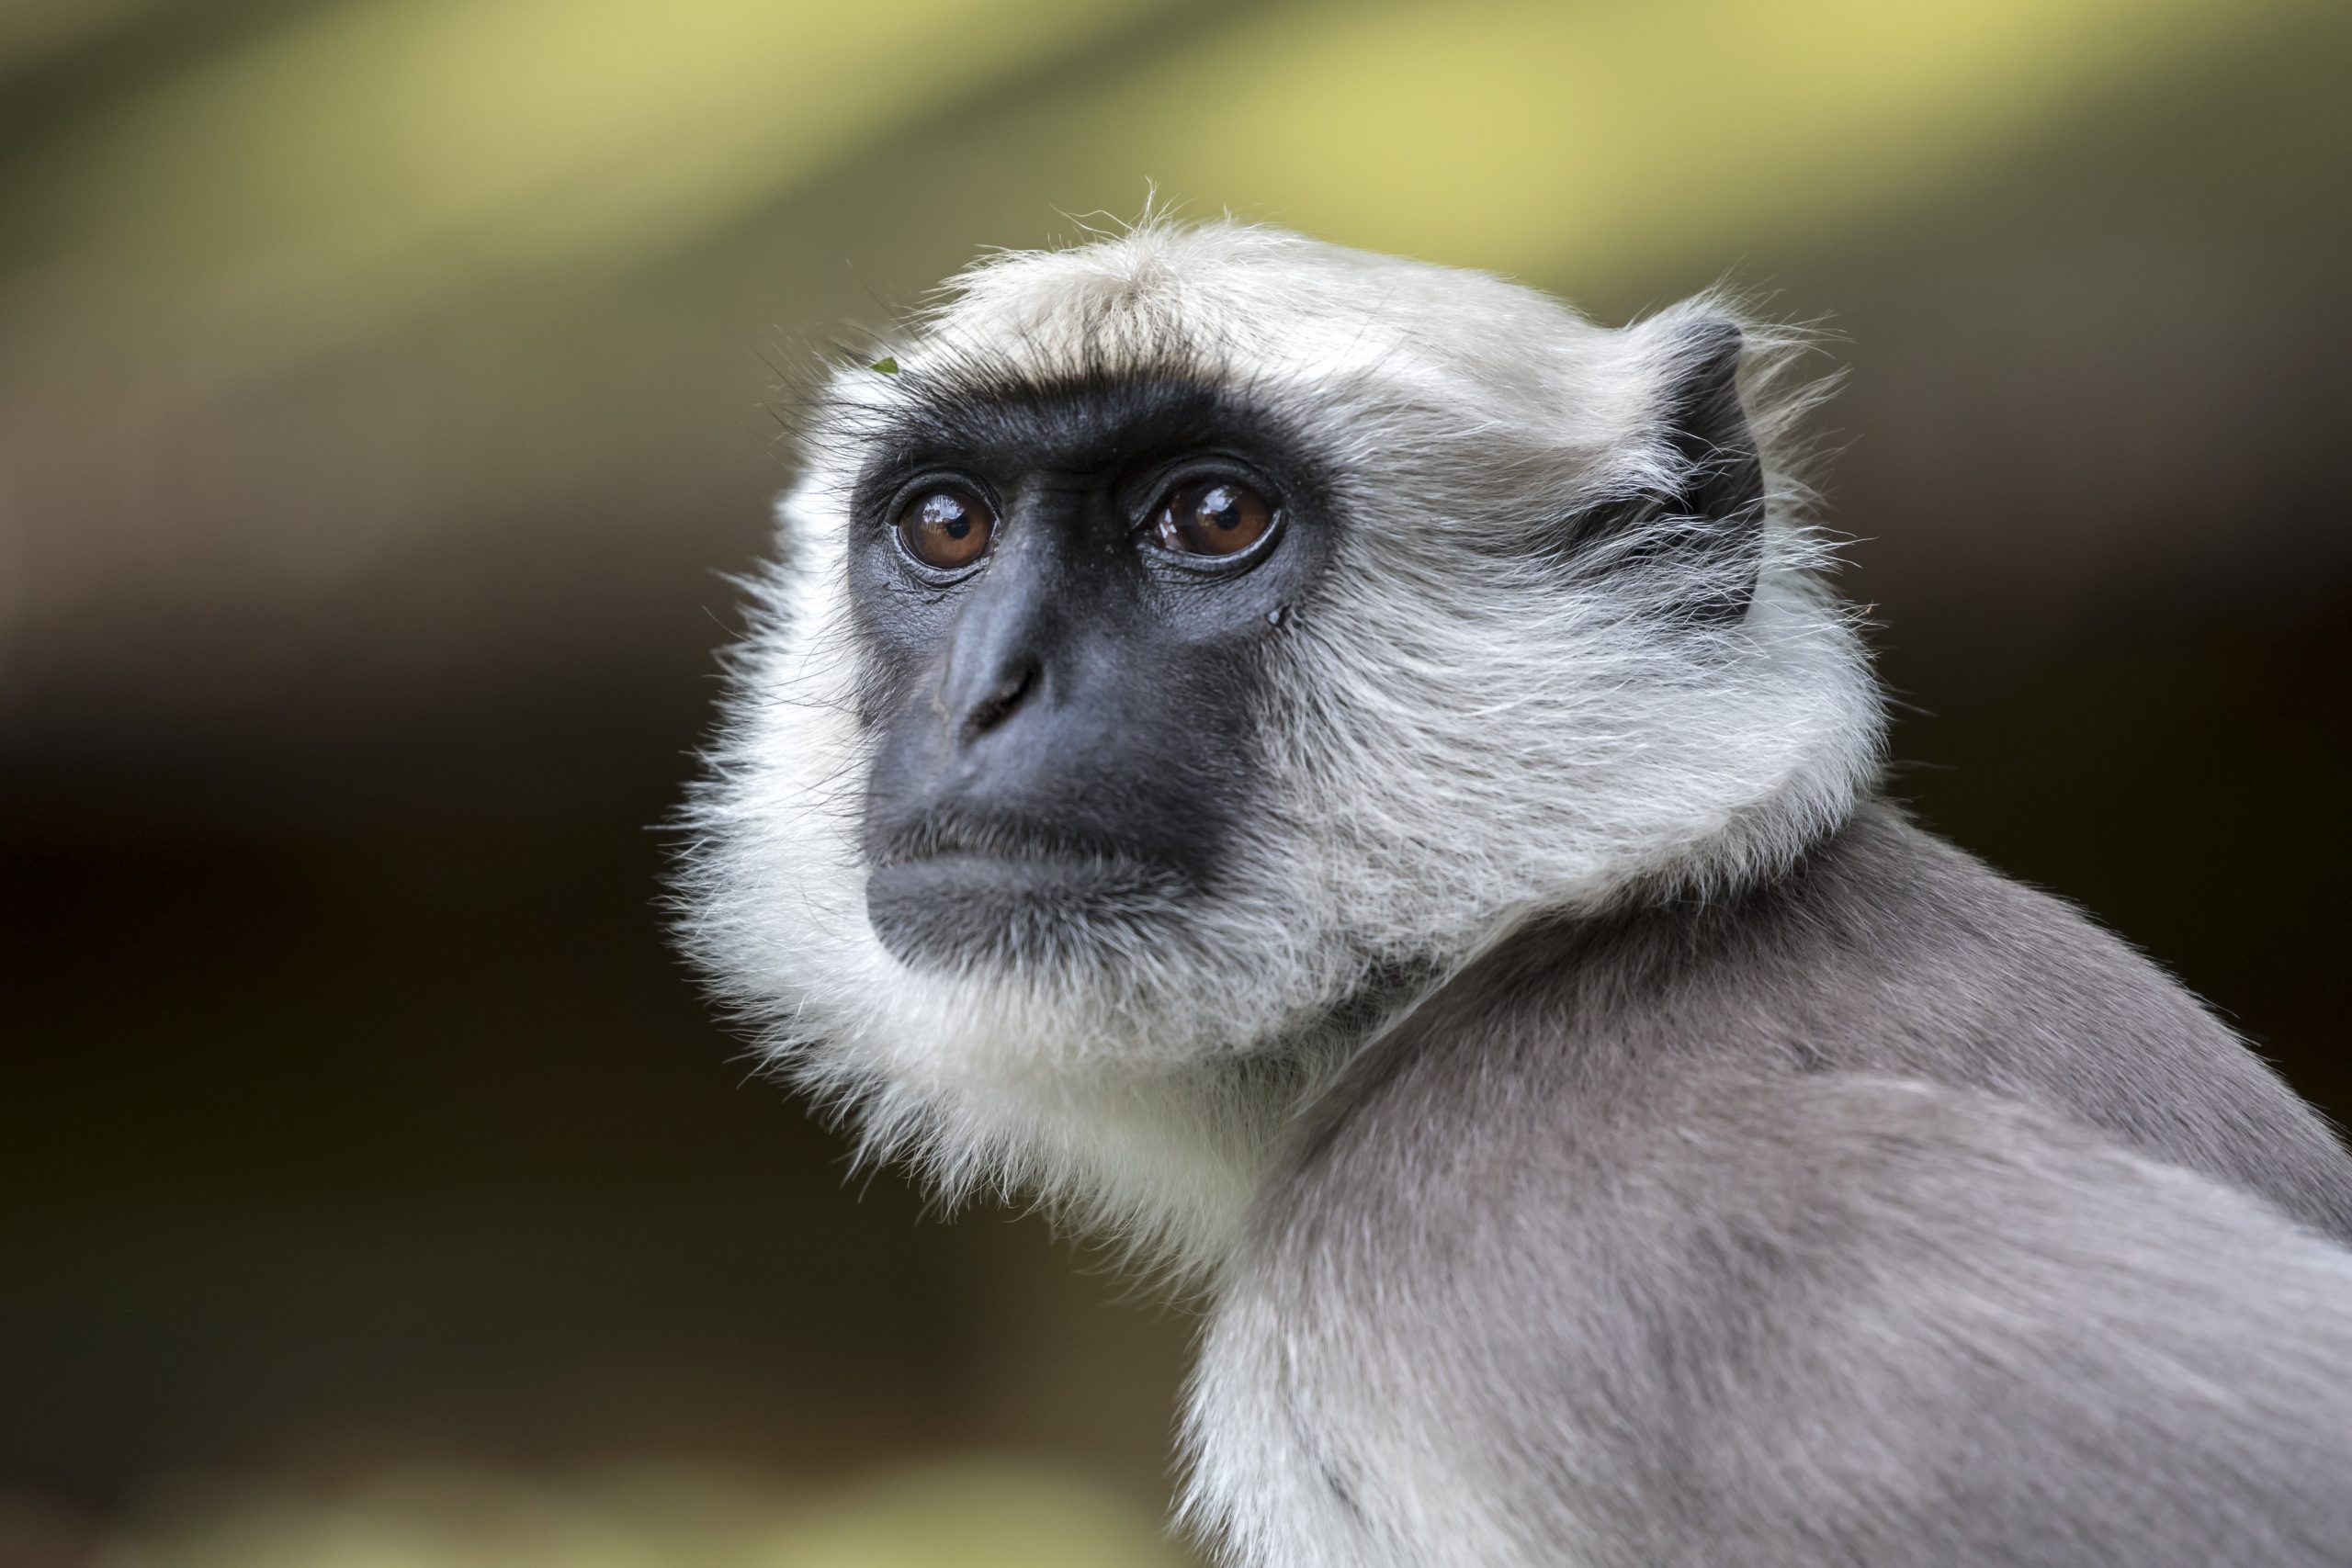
{"points": [[1892, 1214], [1606, 1131]]}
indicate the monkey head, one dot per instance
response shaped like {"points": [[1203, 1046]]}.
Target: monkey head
{"points": [[1177, 638]]}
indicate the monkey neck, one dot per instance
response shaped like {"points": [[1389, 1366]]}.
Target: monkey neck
{"points": [[1174, 1165], [1169, 1164]]}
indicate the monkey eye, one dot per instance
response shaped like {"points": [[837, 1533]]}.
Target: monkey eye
{"points": [[946, 529], [1212, 517]]}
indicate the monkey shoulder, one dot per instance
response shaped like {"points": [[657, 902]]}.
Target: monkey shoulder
{"points": [[1890, 950], [1849, 1221], [1831, 1317], [1885, 950]]}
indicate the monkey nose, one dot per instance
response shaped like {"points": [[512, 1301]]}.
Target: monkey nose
{"points": [[988, 704], [997, 652]]}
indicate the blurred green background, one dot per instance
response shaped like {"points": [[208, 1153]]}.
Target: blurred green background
{"points": [[384, 384]]}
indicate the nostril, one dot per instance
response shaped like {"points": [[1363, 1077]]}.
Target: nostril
{"points": [[998, 704]]}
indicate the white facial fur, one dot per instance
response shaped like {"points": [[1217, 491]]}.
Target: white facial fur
{"points": [[1461, 733]]}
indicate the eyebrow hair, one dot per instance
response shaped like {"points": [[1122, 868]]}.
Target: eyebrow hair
{"points": [[1087, 420]]}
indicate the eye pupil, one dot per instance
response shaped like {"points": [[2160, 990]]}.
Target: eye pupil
{"points": [[1215, 517], [946, 529]]}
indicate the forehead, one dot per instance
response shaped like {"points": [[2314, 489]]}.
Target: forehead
{"points": [[1168, 337], [1091, 358], [1116, 352], [1237, 299]]}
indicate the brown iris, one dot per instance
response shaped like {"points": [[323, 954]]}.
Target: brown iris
{"points": [[946, 529], [1212, 517]]}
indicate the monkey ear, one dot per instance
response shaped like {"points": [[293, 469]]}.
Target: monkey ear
{"points": [[1707, 429], [1707, 513]]}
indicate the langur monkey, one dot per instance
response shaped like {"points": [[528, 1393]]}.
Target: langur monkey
{"points": [[1347, 778]]}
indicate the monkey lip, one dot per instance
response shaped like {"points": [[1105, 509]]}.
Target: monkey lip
{"points": [[1002, 896], [950, 843], [1020, 868]]}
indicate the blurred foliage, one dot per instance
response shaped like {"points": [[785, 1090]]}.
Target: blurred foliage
{"points": [[979, 1514], [330, 173]]}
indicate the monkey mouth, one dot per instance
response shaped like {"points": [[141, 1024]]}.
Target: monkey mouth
{"points": [[940, 836], [945, 890]]}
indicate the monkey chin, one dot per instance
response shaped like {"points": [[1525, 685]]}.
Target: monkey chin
{"points": [[966, 911]]}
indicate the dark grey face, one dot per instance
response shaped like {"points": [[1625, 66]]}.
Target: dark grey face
{"points": [[1065, 593]]}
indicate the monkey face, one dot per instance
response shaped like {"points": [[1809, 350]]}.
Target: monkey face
{"points": [[1179, 636], [1063, 594]]}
